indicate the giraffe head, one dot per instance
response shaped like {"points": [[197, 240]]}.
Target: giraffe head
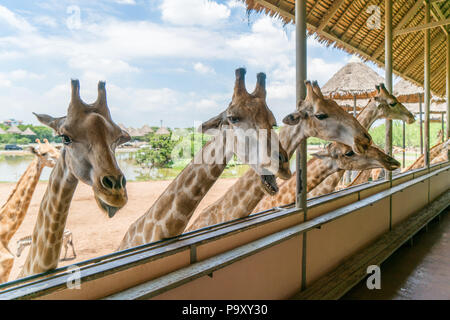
{"points": [[248, 123], [340, 156], [388, 106], [324, 119], [90, 138], [47, 154]]}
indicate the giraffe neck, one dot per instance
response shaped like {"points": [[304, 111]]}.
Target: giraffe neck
{"points": [[291, 137], [317, 171], [240, 200], [14, 210], [48, 231], [369, 114], [171, 212]]}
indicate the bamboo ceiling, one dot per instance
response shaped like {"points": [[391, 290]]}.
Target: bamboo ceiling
{"points": [[342, 24]]}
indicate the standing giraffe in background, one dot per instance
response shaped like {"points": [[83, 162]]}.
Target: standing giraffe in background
{"points": [[169, 215], [14, 210], [383, 106], [67, 241], [315, 117], [90, 138]]}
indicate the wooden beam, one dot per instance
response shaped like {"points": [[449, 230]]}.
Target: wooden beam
{"points": [[329, 15], [280, 11], [411, 12], [423, 27], [407, 17], [438, 15], [419, 57]]}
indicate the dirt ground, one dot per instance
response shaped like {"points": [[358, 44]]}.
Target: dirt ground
{"points": [[94, 234]]}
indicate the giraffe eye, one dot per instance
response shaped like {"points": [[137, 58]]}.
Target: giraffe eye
{"points": [[232, 119], [65, 139], [393, 104], [349, 153], [321, 116]]}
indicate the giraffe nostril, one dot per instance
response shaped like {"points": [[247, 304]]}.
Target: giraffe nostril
{"points": [[123, 182], [108, 182]]}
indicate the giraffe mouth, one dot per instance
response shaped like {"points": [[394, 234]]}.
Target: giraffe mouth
{"points": [[269, 183], [110, 210]]}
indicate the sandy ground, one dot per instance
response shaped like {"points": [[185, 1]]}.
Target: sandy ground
{"points": [[94, 234]]}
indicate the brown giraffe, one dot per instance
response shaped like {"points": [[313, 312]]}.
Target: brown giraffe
{"points": [[168, 216], [14, 210], [335, 157], [382, 105], [317, 117], [90, 138]]}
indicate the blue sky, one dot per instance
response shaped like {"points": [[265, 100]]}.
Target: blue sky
{"points": [[170, 60]]}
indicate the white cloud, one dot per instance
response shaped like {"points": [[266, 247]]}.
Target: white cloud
{"points": [[14, 21], [235, 4], [203, 69], [132, 2], [46, 21], [194, 12]]}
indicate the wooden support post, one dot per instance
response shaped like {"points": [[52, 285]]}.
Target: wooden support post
{"points": [[404, 144], [388, 75], [427, 96], [301, 154], [448, 87], [420, 123]]}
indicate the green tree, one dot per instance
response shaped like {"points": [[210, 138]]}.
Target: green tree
{"points": [[159, 152]]}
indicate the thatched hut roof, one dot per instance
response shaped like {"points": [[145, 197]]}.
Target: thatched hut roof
{"points": [[343, 24], [14, 129], [135, 132], [28, 132], [146, 129], [162, 130], [407, 92], [353, 79]]}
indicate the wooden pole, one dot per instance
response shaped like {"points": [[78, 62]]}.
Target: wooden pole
{"points": [[448, 87], [388, 75], [404, 144], [420, 123], [427, 84], [301, 154]]}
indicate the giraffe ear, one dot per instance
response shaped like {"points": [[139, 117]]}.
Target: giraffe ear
{"points": [[54, 123]]}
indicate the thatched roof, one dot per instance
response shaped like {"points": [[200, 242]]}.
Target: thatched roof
{"points": [[407, 92], [353, 79], [14, 129], [146, 129], [135, 132], [343, 24], [162, 130], [28, 132]]}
